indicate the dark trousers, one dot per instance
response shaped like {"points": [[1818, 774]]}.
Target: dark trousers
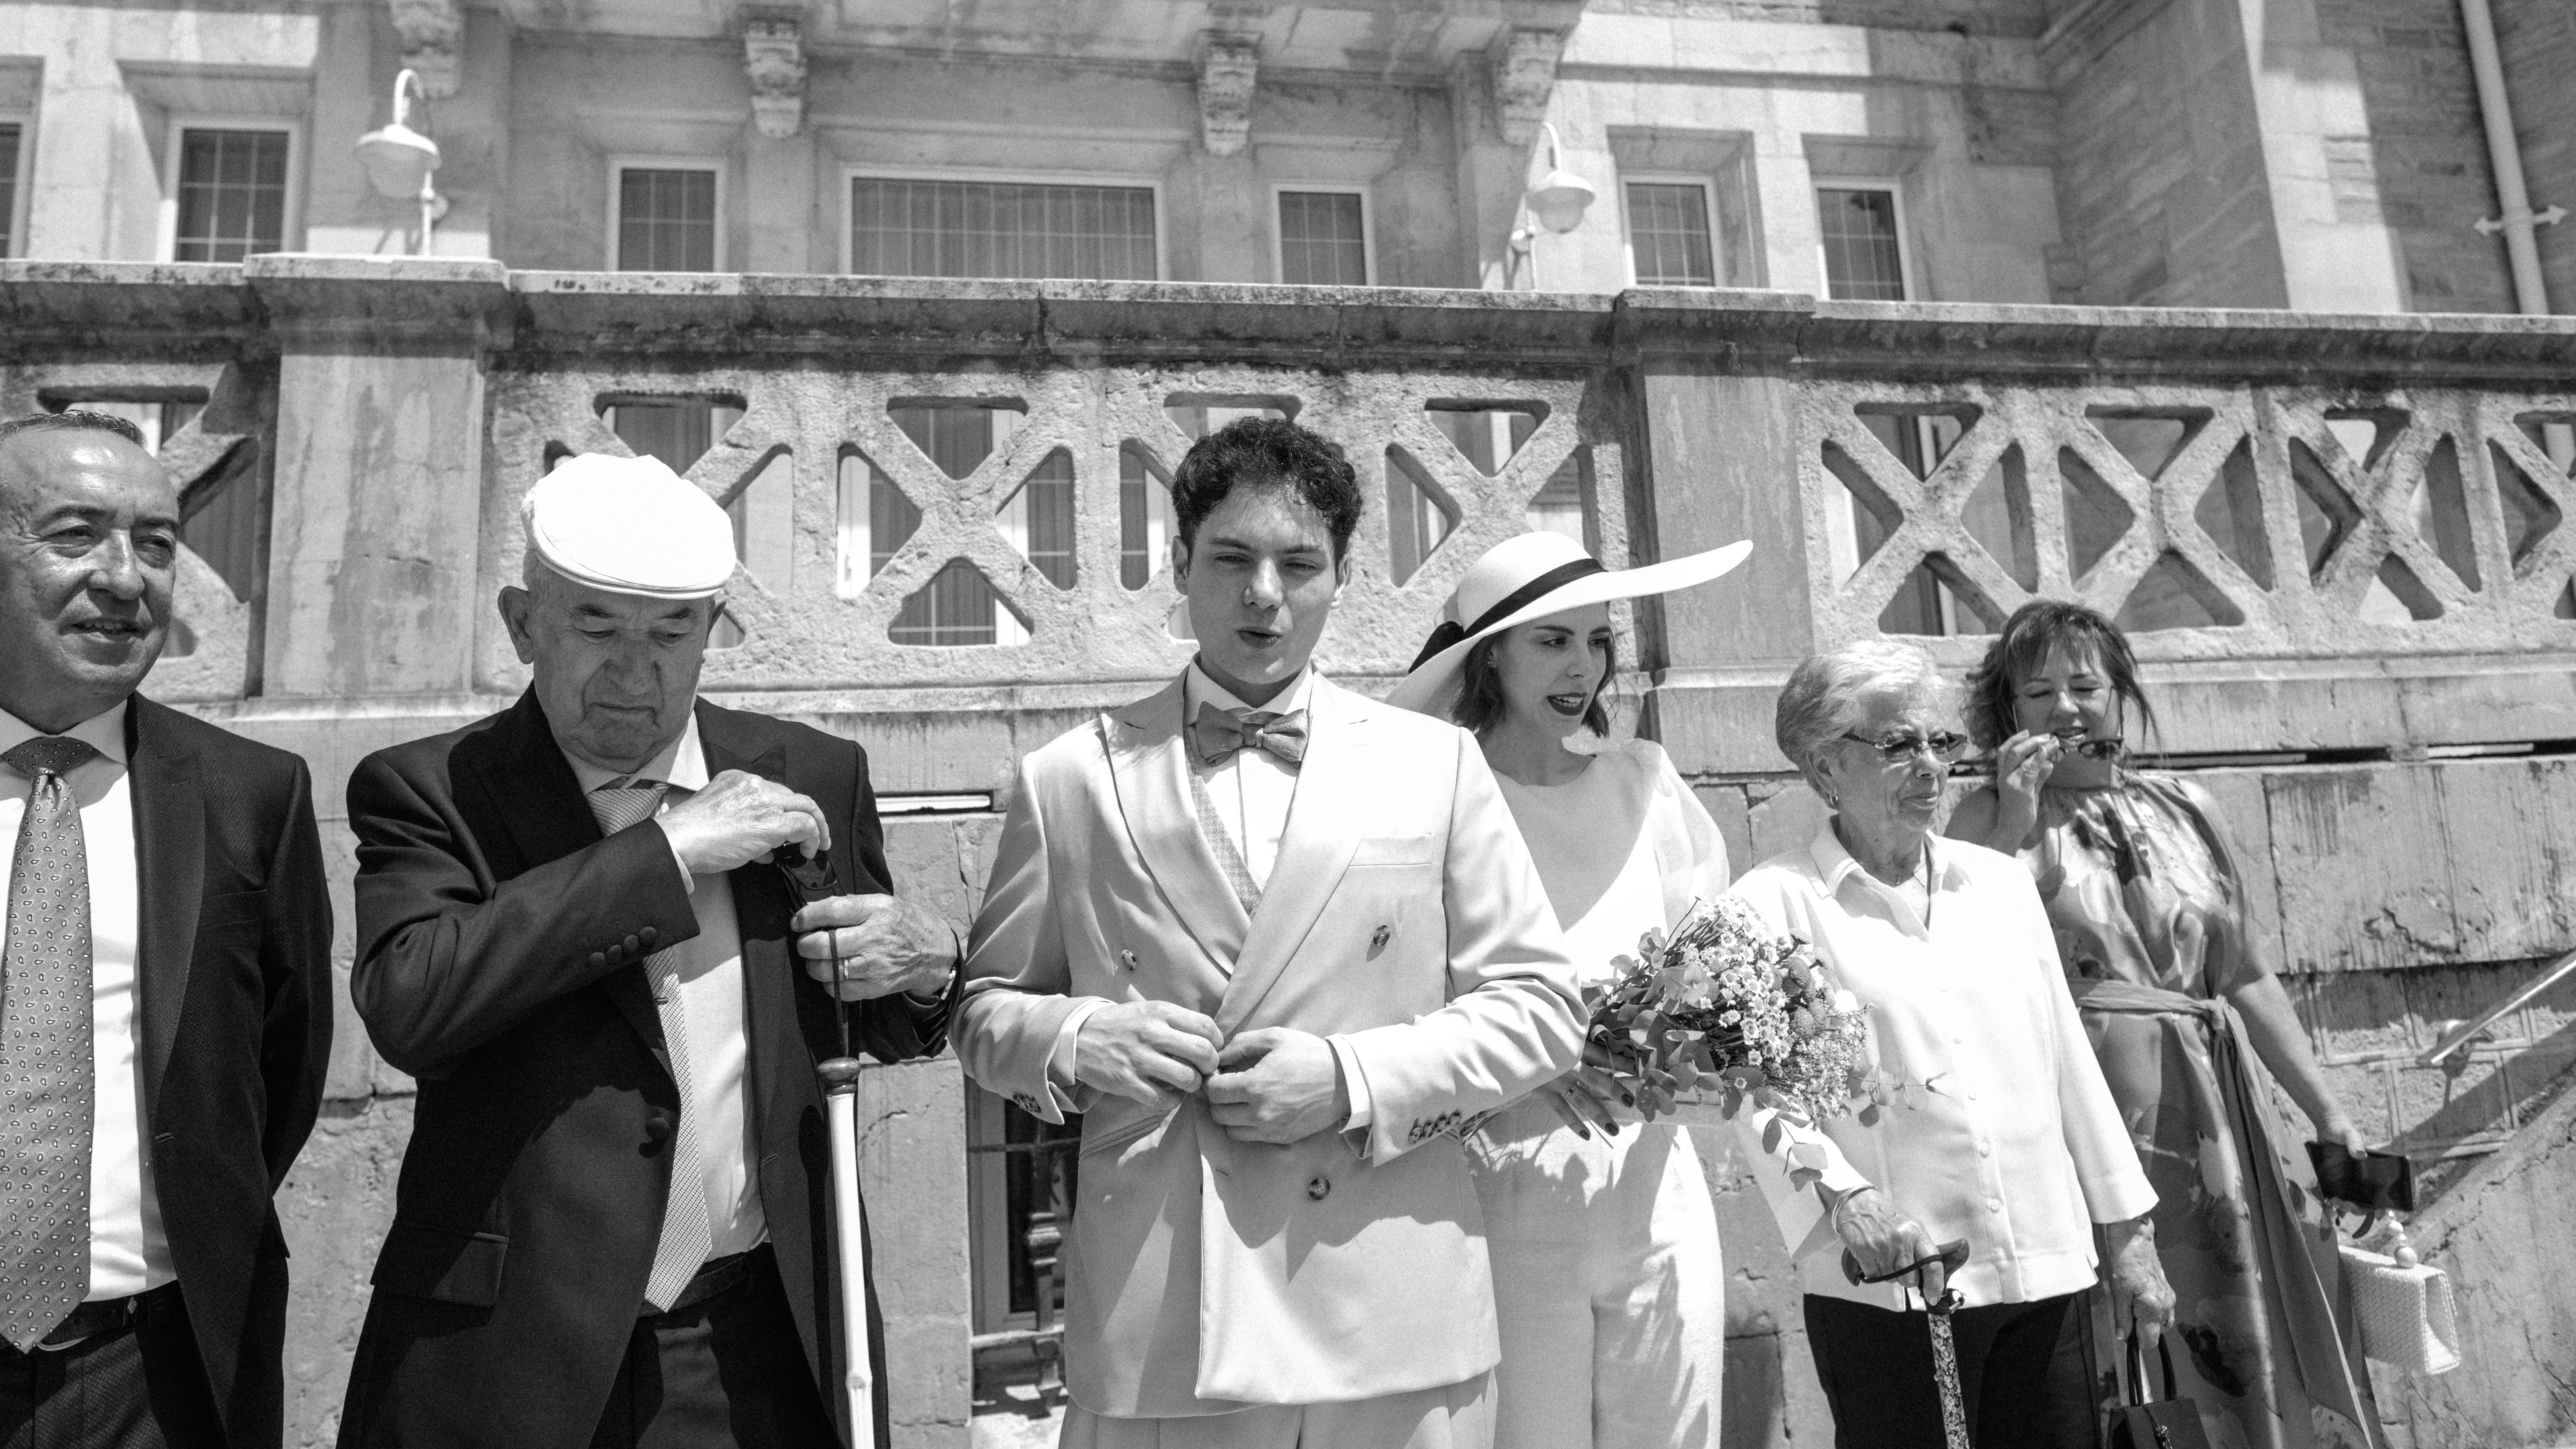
{"points": [[137, 1387], [726, 1372], [2021, 1378]]}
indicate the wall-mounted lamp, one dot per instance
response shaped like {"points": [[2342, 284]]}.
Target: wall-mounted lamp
{"points": [[400, 161], [1557, 202]]}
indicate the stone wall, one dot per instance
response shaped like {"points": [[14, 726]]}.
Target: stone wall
{"points": [[2537, 41], [2422, 164], [2381, 584]]}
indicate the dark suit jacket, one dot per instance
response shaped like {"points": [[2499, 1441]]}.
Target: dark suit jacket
{"points": [[233, 966], [499, 960]]}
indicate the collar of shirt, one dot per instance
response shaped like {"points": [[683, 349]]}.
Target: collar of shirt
{"points": [[682, 764], [1835, 868], [103, 732], [1198, 688]]}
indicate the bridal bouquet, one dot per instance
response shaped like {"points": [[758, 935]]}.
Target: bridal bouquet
{"points": [[1726, 1005]]}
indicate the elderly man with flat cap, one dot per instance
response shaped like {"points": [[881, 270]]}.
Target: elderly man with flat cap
{"points": [[576, 928]]}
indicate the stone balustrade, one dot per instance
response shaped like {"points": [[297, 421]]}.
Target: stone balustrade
{"points": [[2341, 544]]}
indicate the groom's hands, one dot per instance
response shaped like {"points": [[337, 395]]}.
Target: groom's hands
{"points": [[1149, 1051], [1277, 1085]]}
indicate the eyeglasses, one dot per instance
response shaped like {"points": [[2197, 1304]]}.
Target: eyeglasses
{"points": [[2106, 749], [1898, 748]]}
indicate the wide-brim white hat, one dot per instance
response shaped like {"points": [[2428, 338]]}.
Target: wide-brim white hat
{"points": [[1531, 577]]}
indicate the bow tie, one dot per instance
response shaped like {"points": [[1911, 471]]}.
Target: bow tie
{"points": [[1217, 733]]}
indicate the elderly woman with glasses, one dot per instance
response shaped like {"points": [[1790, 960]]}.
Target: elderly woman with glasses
{"points": [[1993, 1131], [2138, 875]]}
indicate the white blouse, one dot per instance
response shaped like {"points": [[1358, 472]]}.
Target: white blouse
{"points": [[1623, 848], [2001, 1130]]}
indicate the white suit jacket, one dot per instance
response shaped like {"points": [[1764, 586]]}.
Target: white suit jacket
{"points": [[1403, 914]]}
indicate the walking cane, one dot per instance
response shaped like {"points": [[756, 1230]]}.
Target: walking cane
{"points": [[810, 879], [1952, 1257]]}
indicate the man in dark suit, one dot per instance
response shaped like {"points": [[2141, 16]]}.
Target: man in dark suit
{"points": [[611, 1227], [165, 1009]]}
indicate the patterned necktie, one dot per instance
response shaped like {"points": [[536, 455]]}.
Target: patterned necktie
{"points": [[1217, 733], [688, 1234], [46, 1076]]}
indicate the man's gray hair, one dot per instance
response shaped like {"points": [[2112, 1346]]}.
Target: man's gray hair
{"points": [[1821, 701], [70, 420]]}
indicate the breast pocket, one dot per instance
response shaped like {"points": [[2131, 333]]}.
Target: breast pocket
{"points": [[1393, 850]]}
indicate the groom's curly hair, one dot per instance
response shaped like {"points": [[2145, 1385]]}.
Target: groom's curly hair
{"points": [[1268, 453]]}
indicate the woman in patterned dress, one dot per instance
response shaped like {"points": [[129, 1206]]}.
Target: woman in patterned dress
{"points": [[2140, 880]]}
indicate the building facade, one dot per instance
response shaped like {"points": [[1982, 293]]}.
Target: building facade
{"points": [[947, 488]]}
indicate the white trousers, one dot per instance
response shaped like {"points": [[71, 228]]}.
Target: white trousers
{"points": [[1608, 1283], [1458, 1416]]}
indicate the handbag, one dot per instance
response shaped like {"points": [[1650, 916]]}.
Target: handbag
{"points": [[2407, 1314], [2166, 1423]]}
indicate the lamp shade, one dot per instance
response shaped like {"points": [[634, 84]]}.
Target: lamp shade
{"points": [[1558, 201], [398, 159]]}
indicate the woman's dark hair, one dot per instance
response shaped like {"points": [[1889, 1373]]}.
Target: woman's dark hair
{"points": [[1480, 688], [2033, 630], [1267, 453]]}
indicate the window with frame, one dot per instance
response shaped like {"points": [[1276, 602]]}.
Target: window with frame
{"points": [[1859, 229], [666, 219], [923, 228], [232, 194], [1669, 243], [1322, 241], [10, 132]]}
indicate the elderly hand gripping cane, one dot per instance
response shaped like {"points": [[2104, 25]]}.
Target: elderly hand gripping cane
{"points": [[860, 947]]}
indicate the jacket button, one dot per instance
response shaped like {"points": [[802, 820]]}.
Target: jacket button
{"points": [[597, 960], [633, 945], [657, 1130], [1379, 937], [646, 935], [1319, 1187]]}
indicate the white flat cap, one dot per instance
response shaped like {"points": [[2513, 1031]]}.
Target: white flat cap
{"points": [[630, 526]]}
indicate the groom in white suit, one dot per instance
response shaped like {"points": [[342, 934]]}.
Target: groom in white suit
{"points": [[1277, 943]]}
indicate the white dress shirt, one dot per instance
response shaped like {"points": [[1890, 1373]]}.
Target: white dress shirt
{"points": [[710, 985], [128, 1252], [2002, 1130], [1251, 792]]}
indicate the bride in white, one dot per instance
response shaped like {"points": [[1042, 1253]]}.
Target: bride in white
{"points": [[1607, 1277]]}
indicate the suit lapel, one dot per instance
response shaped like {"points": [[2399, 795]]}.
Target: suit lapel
{"points": [[170, 865], [1149, 762], [529, 786], [1322, 834], [760, 912]]}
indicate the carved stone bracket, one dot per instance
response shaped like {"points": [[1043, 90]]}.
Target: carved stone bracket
{"points": [[773, 56], [433, 42], [1228, 65], [1524, 62]]}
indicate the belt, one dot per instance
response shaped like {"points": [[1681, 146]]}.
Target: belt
{"points": [[719, 1276], [104, 1315]]}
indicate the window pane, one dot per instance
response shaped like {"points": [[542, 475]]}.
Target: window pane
{"points": [[1668, 235], [1000, 229], [1320, 243], [232, 194], [666, 220], [8, 187], [1864, 261]]}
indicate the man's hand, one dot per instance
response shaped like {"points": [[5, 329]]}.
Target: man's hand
{"points": [[1877, 1238], [738, 819], [2139, 1292], [1277, 1086], [1148, 1051], [861, 947]]}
